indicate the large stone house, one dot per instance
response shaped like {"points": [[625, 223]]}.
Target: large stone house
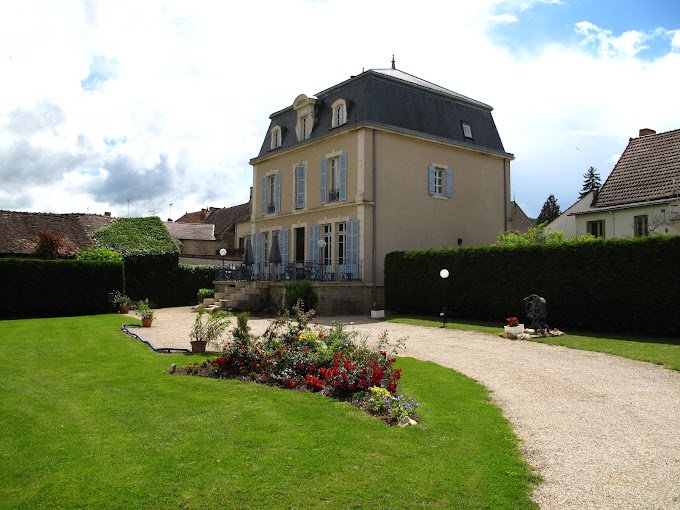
{"points": [[642, 194], [383, 161]]}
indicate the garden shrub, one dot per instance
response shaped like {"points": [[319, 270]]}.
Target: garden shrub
{"points": [[54, 288], [300, 290], [612, 285], [99, 254], [204, 294], [292, 354]]}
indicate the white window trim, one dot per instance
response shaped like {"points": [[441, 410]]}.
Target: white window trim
{"points": [[442, 169], [339, 103], [275, 130]]}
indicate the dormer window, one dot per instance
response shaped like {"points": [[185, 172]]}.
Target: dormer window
{"points": [[339, 113], [304, 106], [275, 138], [467, 131]]}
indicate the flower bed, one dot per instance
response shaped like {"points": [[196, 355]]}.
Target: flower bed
{"points": [[296, 355]]}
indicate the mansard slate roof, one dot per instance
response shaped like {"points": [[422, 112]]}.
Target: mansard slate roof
{"points": [[397, 100], [648, 170], [20, 229]]}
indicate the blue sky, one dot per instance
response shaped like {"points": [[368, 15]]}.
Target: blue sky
{"points": [[147, 104]]}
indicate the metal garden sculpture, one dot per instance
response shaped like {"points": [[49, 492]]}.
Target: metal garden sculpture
{"points": [[537, 310]]}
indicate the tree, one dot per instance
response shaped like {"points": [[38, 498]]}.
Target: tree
{"points": [[550, 211], [591, 182], [538, 235]]}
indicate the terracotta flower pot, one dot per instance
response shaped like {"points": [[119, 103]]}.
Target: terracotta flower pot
{"points": [[198, 345], [147, 322], [124, 308]]}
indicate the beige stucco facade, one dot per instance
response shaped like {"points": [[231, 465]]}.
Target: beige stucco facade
{"points": [[661, 218], [407, 215]]}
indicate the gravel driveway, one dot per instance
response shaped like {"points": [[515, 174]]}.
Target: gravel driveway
{"points": [[603, 431]]}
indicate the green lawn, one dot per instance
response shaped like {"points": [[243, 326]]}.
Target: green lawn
{"points": [[661, 351], [90, 419]]}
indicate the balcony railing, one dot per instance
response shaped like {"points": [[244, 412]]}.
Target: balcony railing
{"points": [[332, 271], [271, 208], [333, 195]]}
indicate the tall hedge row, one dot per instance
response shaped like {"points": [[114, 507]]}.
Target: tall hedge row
{"points": [[613, 285], [52, 288]]}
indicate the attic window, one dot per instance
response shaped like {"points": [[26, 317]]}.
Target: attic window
{"points": [[467, 132], [275, 138], [339, 113]]}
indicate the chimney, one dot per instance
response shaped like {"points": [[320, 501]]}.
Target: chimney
{"points": [[204, 214], [107, 213], [647, 131]]}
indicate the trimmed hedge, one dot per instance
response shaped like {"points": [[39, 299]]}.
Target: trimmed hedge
{"points": [[613, 285], [53, 288], [151, 258], [188, 280]]}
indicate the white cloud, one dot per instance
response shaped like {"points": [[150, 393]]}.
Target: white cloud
{"points": [[185, 91]]}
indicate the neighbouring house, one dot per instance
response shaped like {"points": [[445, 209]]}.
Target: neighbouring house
{"points": [[20, 231], [566, 222], [225, 221], [518, 221], [196, 241], [641, 196], [383, 161], [194, 217]]}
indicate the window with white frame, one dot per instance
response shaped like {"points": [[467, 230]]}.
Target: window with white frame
{"points": [[339, 108], [304, 127], [439, 181], [342, 243], [595, 228], [327, 253], [334, 178], [467, 131], [271, 186], [271, 193], [641, 225], [275, 138]]}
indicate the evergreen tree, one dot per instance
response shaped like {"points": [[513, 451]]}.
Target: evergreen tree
{"points": [[549, 212], [591, 182]]}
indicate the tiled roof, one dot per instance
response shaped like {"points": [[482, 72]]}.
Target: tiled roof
{"points": [[649, 169], [195, 231], [518, 220], [227, 217], [396, 100], [193, 217], [19, 230]]}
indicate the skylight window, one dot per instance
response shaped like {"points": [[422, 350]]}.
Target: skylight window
{"points": [[467, 131]]}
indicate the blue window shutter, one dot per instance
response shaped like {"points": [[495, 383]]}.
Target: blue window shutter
{"points": [[323, 181], [342, 161], [313, 240], [430, 179], [264, 195], [449, 183], [300, 187], [256, 253], [277, 192], [283, 244], [353, 247]]}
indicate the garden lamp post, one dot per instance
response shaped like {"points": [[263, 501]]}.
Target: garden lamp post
{"points": [[223, 254], [444, 274]]}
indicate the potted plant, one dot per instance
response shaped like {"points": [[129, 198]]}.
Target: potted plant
{"points": [[513, 326], [121, 301], [145, 312], [207, 330]]}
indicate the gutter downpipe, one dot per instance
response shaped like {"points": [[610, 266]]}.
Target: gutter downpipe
{"points": [[374, 220], [505, 197]]}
